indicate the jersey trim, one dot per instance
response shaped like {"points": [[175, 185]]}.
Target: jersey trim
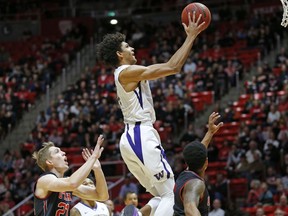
{"points": [[164, 165], [137, 144], [139, 96]]}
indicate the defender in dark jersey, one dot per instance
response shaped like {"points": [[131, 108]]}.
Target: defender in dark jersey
{"points": [[56, 203], [53, 192], [191, 195]]}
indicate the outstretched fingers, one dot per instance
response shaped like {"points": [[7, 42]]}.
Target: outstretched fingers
{"points": [[201, 25], [219, 125], [86, 153], [199, 18], [99, 148], [212, 119]]}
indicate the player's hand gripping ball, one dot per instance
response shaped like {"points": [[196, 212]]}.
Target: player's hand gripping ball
{"points": [[199, 8]]}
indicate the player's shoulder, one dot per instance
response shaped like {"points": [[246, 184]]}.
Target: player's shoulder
{"points": [[41, 191], [46, 177], [195, 184], [135, 66], [129, 68]]}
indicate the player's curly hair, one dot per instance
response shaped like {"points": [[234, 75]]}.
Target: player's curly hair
{"points": [[195, 155], [106, 50]]}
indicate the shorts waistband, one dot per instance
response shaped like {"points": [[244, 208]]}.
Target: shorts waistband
{"points": [[140, 123]]}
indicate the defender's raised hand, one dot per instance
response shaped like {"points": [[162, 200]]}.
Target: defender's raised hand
{"points": [[86, 153], [212, 127]]}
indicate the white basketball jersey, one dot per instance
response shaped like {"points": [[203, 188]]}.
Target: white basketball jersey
{"points": [[100, 210], [137, 105]]}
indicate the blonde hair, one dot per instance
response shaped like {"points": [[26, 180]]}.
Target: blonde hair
{"points": [[42, 155]]}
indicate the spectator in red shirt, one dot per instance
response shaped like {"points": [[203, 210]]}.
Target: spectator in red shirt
{"points": [[283, 204], [254, 193]]}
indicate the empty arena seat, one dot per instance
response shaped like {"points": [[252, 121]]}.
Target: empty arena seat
{"points": [[198, 104], [238, 188], [269, 209], [250, 210], [25, 209], [276, 71]]}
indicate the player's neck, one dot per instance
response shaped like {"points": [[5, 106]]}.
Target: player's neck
{"points": [[201, 174], [57, 173], [90, 203]]}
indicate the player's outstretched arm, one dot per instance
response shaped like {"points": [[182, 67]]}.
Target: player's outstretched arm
{"points": [[212, 128], [100, 192], [136, 73], [192, 193]]}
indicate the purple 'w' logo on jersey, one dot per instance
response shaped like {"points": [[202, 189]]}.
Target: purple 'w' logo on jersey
{"points": [[159, 175]]}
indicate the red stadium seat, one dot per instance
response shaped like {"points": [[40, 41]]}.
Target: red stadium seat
{"points": [[25, 209], [277, 71], [223, 153], [144, 197], [76, 159], [258, 96], [219, 165], [118, 207], [244, 117], [207, 97], [270, 94], [198, 104], [72, 150], [269, 209], [244, 98], [238, 188], [250, 210]]}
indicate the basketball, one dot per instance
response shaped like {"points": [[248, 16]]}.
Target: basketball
{"points": [[199, 8]]}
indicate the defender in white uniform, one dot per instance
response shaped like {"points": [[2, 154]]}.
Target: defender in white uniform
{"points": [[89, 207], [99, 209], [140, 143]]}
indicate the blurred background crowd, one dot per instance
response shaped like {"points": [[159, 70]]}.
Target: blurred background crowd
{"points": [[238, 67]]}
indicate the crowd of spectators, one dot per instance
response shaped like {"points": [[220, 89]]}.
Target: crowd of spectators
{"points": [[89, 107], [30, 9], [27, 67], [259, 151]]}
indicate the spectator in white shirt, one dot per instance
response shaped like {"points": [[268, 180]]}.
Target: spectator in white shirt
{"points": [[273, 115], [271, 140], [252, 149], [190, 66]]}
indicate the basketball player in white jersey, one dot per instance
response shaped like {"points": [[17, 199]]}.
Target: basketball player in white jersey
{"points": [[89, 207], [140, 145]]}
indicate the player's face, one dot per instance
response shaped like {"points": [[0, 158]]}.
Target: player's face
{"points": [[128, 53], [131, 198], [89, 183], [58, 159]]}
